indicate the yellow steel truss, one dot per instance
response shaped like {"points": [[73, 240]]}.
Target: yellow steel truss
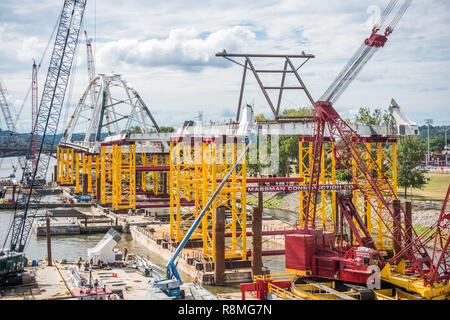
{"points": [[196, 170], [218, 158], [155, 181], [124, 176], [185, 177], [79, 170], [384, 151], [326, 204], [106, 174], [91, 170], [65, 158]]}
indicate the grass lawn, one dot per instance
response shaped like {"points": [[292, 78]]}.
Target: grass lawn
{"points": [[434, 190]]}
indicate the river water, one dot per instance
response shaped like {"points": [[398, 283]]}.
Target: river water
{"points": [[6, 168]]}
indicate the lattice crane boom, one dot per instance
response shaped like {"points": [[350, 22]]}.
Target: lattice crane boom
{"points": [[7, 116], [369, 47], [46, 125], [430, 269], [337, 87], [34, 114]]}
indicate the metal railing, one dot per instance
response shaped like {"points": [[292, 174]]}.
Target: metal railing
{"points": [[283, 294]]}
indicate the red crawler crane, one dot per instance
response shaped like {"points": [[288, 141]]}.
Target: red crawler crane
{"points": [[313, 253], [430, 268]]}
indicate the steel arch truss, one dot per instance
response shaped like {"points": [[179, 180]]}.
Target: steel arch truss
{"points": [[108, 105]]}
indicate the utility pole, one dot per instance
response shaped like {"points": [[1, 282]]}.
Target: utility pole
{"points": [[428, 122]]}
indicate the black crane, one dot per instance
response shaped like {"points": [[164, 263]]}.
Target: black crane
{"points": [[12, 261]]}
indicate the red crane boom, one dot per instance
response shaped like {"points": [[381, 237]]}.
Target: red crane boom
{"points": [[430, 269]]}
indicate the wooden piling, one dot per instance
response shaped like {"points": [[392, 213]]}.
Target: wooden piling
{"points": [[219, 247], [256, 241], [85, 184], [49, 243]]}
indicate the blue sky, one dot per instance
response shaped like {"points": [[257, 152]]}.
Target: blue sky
{"points": [[166, 50]]}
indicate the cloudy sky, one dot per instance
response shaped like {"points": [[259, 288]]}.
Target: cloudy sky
{"points": [[166, 50]]}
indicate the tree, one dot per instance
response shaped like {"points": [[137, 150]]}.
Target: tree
{"points": [[288, 145], [410, 152], [364, 116], [260, 118], [135, 129], [378, 117], [167, 129]]}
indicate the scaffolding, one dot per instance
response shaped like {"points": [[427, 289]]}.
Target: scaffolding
{"points": [[124, 175], [80, 169], [106, 174], [65, 158], [197, 166], [185, 186], [384, 151], [219, 155], [326, 204], [91, 167]]}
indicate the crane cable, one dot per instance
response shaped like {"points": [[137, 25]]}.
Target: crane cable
{"points": [[400, 14], [38, 67]]}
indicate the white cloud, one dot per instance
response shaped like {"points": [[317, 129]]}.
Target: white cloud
{"points": [[183, 48], [166, 49]]}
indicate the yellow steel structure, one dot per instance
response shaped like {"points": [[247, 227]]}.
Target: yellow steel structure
{"points": [[281, 293], [124, 176], [65, 158], [143, 159], [396, 275], [155, 181], [326, 206], [218, 156], [106, 174], [185, 183], [79, 170], [91, 167], [384, 151], [196, 169]]}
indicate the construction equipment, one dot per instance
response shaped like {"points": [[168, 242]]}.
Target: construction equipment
{"points": [[82, 198], [434, 273], [10, 124], [171, 284], [45, 128], [34, 115]]}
